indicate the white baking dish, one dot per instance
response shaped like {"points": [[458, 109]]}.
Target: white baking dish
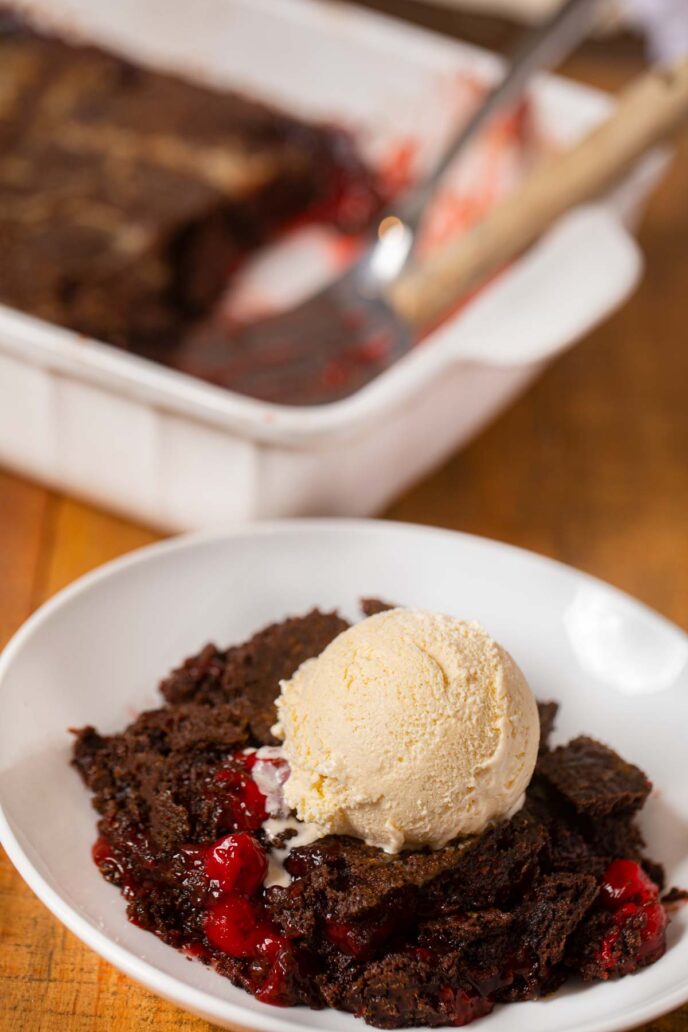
{"points": [[177, 453], [615, 15], [519, 10]]}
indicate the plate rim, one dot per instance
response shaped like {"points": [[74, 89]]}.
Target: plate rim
{"points": [[142, 971]]}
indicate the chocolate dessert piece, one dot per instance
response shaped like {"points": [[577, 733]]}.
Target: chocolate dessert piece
{"points": [[594, 779], [417, 938], [127, 196], [157, 771], [353, 883], [248, 675]]}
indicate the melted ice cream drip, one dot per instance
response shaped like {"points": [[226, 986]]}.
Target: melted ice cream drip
{"points": [[270, 772], [305, 834]]}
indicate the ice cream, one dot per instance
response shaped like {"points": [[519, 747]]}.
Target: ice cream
{"points": [[410, 729]]}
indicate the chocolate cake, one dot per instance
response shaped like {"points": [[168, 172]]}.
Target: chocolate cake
{"points": [[127, 196], [422, 937]]}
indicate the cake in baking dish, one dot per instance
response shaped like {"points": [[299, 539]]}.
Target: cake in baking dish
{"points": [[128, 196]]}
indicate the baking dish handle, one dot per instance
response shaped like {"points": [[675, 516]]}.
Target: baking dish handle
{"points": [[583, 269]]}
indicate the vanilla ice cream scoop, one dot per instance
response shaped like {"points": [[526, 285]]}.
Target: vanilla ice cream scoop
{"points": [[410, 729]]}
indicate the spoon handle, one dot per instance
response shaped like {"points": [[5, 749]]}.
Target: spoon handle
{"points": [[543, 47], [647, 111]]}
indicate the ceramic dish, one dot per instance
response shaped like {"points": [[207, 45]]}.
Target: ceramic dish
{"points": [[96, 651], [182, 454], [531, 10]]}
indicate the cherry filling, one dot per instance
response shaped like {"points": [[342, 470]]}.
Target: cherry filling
{"points": [[637, 935], [229, 875], [236, 922], [235, 925], [245, 806], [225, 879], [101, 852], [113, 870], [237, 863], [626, 882]]}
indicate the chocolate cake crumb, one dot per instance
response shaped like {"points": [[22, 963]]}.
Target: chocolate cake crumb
{"points": [[281, 840], [675, 895], [372, 606]]}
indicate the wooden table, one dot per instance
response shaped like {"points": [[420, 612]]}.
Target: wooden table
{"points": [[591, 466]]}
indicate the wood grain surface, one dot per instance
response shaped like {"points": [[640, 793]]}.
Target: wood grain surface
{"points": [[591, 466]]}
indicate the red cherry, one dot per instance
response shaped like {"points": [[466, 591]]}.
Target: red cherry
{"points": [[237, 927], [232, 926], [237, 863], [249, 760], [625, 881], [628, 892], [245, 805], [272, 944], [625, 912], [277, 989], [652, 927], [653, 933]]}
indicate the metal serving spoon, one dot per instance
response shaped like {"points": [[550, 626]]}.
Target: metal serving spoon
{"points": [[335, 341]]}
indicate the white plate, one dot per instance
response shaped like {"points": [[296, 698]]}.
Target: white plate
{"points": [[95, 652]]}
